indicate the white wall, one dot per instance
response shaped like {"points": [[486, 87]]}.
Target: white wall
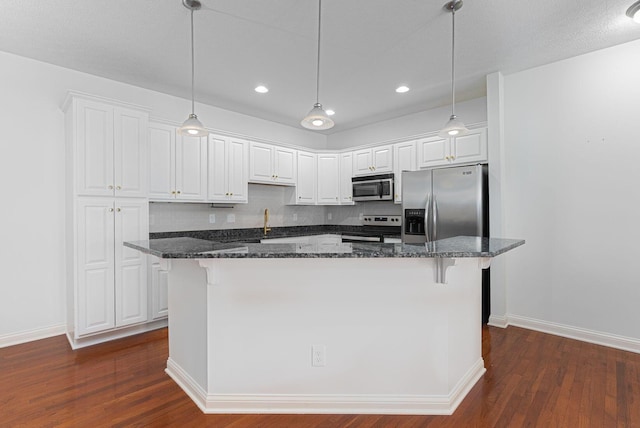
{"points": [[32, 172], [572, 154], [470, 112]]}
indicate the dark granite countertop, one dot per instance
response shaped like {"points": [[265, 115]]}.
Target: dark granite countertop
{"points": [[257, 233], [193, 248]]}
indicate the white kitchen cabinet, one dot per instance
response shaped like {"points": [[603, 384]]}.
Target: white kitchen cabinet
{"points": [[346, 173], [158, 288], [270, 164], [329, 179], [109, 141], [177, 165], [436, 151], [376, 160], [110, 280], [228, 170], [404, 159], [305, 191]]}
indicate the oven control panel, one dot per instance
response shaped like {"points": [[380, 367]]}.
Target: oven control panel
{"points": [[382, 220]]}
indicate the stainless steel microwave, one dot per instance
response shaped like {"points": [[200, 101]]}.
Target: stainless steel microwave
{"points": [[372, 188]]}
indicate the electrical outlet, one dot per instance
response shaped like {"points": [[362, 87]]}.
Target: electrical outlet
{"points": [[231, 218], [212, 218], [295, 216], [318, 356]]}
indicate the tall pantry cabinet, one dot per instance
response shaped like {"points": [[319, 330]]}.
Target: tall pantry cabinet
{"points": [[106, 204]]}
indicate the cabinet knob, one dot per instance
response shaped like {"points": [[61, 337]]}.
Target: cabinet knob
{"points": [[118, 188], [231, 194], [173, 192], [110, 187], [110, 210], [178, 192], [118, 210], [453, 157], [299, 197], [446, 157]]}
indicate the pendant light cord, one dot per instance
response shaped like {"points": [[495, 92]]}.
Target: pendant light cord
{"points": [[193, 103], [453, 62], [318, 63]]}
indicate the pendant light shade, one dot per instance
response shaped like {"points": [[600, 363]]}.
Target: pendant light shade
{"points": [[454, 127], [317, 119], [192, 126], [634, 11]]}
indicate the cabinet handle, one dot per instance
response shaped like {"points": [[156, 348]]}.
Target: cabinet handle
{"points": [[110, 187]]}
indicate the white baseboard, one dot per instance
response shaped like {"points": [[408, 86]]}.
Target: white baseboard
{"points": [[585, 335], [94, 339], [31, 335], [326, 403], [498, 321]]}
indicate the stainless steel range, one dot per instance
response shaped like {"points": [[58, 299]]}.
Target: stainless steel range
{"points": [[377, 228]]}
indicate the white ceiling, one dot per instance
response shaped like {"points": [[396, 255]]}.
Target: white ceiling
{"points": [[369, 47]]}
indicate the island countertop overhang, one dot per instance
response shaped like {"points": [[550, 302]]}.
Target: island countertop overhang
{"points": [[456, 247]]}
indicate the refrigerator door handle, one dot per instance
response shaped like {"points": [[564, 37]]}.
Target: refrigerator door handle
{"points": [[435, 219], [427, 218]]}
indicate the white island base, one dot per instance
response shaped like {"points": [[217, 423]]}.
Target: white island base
{"points": [[241, 333]]}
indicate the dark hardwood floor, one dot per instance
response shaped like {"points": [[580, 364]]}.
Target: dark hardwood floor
{"points": [[533, 379]]}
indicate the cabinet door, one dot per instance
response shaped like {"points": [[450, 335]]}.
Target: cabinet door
{"points": [[404, 159], [284, 165], [162, 172], [261, 163], [382, 159], [191, 168], [95, 265], [306, 185], [130, 153], [432, 151], [131, 224], [238, 170], [159, 291], [94, 138], [362, 164], [470, 148], [217, 187], [329, 179], [346, 173]]}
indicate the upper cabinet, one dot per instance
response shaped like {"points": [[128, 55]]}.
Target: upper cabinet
{"points": [[436, 151], [228, 170], [404, 159], [178, 165], [270, 164], [346, 172], [329, 178], [109, 148], [305, 191], [376, 160]]}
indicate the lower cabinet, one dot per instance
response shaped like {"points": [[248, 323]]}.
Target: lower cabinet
{"points": [[108, 280], [159, 289]]}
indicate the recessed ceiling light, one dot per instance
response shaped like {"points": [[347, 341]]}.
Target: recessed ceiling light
{"points": [[402, 89], [261, 89], [330, 112]]}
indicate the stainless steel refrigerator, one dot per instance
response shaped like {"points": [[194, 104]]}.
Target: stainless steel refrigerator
{"points": [[446, 202]]}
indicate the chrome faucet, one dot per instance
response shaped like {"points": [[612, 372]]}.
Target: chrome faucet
{"points": [[266, 220]]}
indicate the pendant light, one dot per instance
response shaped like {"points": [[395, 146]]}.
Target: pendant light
{"points": [[317, 119], [192, 126], [454, 127], [634, 11]]}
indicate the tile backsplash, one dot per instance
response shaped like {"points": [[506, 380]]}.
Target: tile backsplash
{"points": [[177, 216]]}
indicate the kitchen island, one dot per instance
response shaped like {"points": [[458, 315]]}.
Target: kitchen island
{"points": [[341, 328]]}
